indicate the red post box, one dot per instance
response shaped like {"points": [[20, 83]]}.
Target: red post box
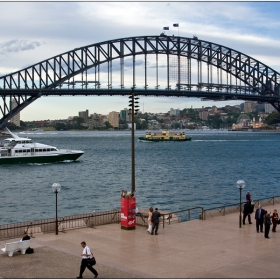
{"points": [[128, 219]]}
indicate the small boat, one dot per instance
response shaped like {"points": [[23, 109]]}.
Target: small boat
{"points": [[17, 150], [165, 135], [4, 134]]}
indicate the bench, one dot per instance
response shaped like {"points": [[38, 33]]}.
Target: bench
{"points": [[14, 246]]}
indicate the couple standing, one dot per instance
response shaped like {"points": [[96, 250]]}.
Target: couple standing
{"points": [[153, 221]]}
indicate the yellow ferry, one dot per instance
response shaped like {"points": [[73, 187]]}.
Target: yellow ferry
{"points": [[165, 135]]}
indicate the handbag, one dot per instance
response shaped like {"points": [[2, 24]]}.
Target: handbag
{"points": [[91, 261]]}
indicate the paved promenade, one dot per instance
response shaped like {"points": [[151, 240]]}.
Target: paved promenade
{"points": [[213, 248]]}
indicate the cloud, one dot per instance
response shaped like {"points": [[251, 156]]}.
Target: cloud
{"points": [[14, 46], [47, 29]]}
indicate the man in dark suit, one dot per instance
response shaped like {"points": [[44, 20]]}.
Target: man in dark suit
{"points": [[259, 218], [155, 221], [247, 211]]}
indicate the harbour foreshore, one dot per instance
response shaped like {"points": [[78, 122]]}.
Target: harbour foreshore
{"points": [[211, 248]]}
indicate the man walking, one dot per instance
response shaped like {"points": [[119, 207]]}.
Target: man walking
{"points": [[259, 218], [247, 211], [155, 221], [86, 256]]}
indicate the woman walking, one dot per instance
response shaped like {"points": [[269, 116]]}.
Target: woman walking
{"points": [[150, 224], [275, 219]]}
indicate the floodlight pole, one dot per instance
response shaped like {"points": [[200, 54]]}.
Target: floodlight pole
{"points": [[132, 146]]}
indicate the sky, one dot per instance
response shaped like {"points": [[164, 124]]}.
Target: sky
{"points": [[34, 31]]}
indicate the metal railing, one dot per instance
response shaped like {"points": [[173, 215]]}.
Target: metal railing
{"points": [[232, 208], [170, 218], [64, 223], [113, 216]]}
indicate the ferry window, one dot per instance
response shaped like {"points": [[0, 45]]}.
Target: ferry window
{"points": [[40, 150], [28, 151], [16, 151], [36, 150], [44, 150]]}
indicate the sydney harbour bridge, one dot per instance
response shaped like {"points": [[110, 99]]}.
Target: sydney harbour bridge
{"points": [[169, 66]]}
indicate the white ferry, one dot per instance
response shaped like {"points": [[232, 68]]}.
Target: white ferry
{"points": [[16, 150]]}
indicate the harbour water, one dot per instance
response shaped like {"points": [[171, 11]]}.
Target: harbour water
{"points": [[170, 176]]}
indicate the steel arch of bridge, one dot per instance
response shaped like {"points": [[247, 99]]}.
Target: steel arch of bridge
{"points": [[81, 71]]}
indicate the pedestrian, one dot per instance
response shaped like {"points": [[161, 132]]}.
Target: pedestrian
{"points": [[247, 211], [267, 223], [259, 218], [85, 257], [248, 196], [25, 237], [155, 221], [275, 219], [150, 224]]}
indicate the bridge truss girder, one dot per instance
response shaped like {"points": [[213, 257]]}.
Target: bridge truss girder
{"points": [[253, 79]]}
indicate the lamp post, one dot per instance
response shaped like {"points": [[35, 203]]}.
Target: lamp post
{"points": [[56, 188], [240, 185]]}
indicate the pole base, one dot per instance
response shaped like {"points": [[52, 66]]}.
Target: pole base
{"points": [[127, 228]]}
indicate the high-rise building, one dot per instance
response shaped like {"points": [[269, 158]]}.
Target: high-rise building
{"points": [[174, 112], [15, 119], [84, 115], [249, 106], [203, 115], [124, 114], [114, 119]]}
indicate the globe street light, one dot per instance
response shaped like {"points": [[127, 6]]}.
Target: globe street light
{"points": [[240, 185], [56, 188]]}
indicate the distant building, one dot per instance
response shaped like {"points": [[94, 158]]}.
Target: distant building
{"points": [[84, 115], [203, 115], [268, 108], [130, 126], [249, 106], [214, 109], [15, 119], [174, 112], [114, 119], [242, 122], [124, 114]]}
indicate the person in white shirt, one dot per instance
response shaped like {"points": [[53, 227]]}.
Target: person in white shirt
{"points": [[86, 256]]}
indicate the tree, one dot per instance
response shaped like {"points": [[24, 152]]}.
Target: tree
{"points": [[60, 126], [273, 118], [108, 125]]}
